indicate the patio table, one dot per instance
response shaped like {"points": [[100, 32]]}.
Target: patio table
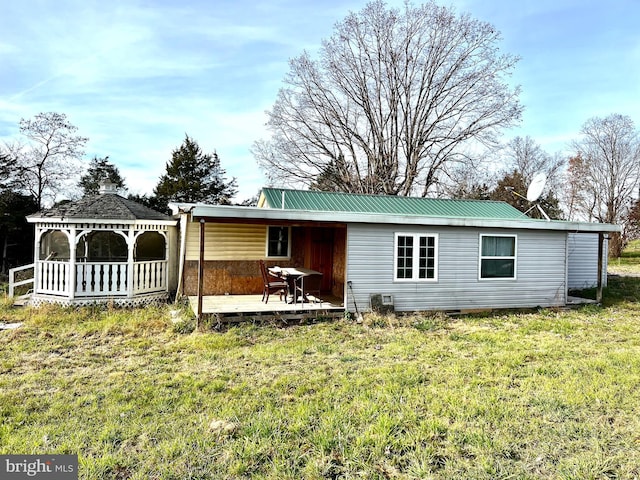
{"points": [[290, 275]]}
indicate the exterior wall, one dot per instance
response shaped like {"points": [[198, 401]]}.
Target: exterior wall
{"points": [[582, 253], [231, 253], [226, 241], [540, 270]]}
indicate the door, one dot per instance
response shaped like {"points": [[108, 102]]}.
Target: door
{"points": [[321, 255]]}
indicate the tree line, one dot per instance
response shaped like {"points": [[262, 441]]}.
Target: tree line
{"points": [[35, 171]]}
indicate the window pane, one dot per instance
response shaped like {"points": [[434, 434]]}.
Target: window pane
{"points": [[499, 268], [498, 246], [278, 245], [427, 257], [405, 257]]}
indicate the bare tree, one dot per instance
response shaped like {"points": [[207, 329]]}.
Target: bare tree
{"points": [[526, 156], [606, 170], [391, 102], [49, 157]]}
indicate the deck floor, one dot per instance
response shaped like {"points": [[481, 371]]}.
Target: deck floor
{"points": [[247, 304]]}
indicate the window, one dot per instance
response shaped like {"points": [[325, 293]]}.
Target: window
{"points": [[278, 242], [497, 256], [415, 257]]}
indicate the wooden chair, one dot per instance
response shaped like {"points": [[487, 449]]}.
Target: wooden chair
{"points": [[309, 284], [271, 284]]}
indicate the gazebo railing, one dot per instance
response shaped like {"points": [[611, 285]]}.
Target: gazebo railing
{"points": [[101, 278], [149, 276], [97, 279], [52, 277]]}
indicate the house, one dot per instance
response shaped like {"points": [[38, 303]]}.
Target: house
{"points": [[414, 253], [103, 248]]}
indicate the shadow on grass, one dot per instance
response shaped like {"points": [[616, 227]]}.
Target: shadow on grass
{"points": [[619, 289]]}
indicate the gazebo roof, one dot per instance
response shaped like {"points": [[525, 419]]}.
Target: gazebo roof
{"points": [[106, 206]]}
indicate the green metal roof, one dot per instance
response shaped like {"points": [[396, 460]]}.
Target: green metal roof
{"points": [[387, 204]]}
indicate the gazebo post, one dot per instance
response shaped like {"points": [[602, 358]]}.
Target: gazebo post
{"points": [[71, 280], [131, 242], [36, 258]]}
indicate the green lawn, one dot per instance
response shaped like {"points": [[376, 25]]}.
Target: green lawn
{"points": [[548, 394], [629, 261]]}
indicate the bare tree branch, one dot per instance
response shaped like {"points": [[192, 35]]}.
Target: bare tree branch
{"points": [[49, 157], [392, 99]]}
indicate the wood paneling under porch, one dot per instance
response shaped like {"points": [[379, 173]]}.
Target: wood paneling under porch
{"points": [[248, 305]]}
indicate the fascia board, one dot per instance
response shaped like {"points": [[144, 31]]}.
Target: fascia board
{"points": [[270, 214], [101, 221]]}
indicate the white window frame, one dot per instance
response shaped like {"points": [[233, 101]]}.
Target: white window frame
{"points": [[266, 248], [513, 257], [416, 258]]}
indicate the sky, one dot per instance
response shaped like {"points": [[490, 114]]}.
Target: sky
{"points": [[136, 76]]}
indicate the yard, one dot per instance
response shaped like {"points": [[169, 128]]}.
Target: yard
{"points": [[546, 394]]}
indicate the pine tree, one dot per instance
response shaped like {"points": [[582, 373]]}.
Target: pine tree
{"points": [[194, 176], [100, 169]]}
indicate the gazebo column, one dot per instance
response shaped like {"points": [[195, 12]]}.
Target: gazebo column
{"points": [[131, 244], [36, 258], [71, 278]]}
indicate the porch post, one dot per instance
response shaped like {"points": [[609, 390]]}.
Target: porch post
{"points": [[600, 266], [201, 270]]}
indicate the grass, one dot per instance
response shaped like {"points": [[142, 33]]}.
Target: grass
{"points": [[629, 262], [540, 395]]}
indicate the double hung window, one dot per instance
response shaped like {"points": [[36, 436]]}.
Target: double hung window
{"points": [[416, 257], [497, 256]]}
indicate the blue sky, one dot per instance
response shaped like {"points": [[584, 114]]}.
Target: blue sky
{"points": [[136, 76]]}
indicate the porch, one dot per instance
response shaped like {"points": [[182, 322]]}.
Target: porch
{"points": [[230, 307]]}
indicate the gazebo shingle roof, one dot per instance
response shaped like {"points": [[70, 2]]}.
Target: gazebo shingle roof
{"points": [[107, 206]]}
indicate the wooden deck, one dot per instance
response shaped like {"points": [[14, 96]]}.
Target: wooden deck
{"points": [[252, 305]]}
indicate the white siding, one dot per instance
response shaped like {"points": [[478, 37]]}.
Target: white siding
{"points": [[540, 281], [582, 253]]}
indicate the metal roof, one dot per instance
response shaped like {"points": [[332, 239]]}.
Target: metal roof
{"points": [[330, 207], [286, 199]]}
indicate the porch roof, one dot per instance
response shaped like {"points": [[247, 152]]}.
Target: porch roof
{"points": [[272, 216]]}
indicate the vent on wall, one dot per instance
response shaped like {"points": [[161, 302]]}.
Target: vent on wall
{"points": [[381, 303]]}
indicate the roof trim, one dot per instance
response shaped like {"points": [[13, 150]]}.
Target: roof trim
{"points": [[101, 221], [270, 214]]}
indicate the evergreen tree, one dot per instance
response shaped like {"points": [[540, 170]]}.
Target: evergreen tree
{"points": [[194, 176], [16, 235], [512, 188], [99, 170]]}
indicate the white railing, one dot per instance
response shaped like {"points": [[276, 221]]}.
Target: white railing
{"points": [[12, 278], [97, 279], [52, 277], [150, 276]]}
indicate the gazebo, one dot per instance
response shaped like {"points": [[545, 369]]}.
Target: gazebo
{"points": [[103, 249]]}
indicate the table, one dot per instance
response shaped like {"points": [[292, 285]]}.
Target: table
{"points": [[290, 275]]}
